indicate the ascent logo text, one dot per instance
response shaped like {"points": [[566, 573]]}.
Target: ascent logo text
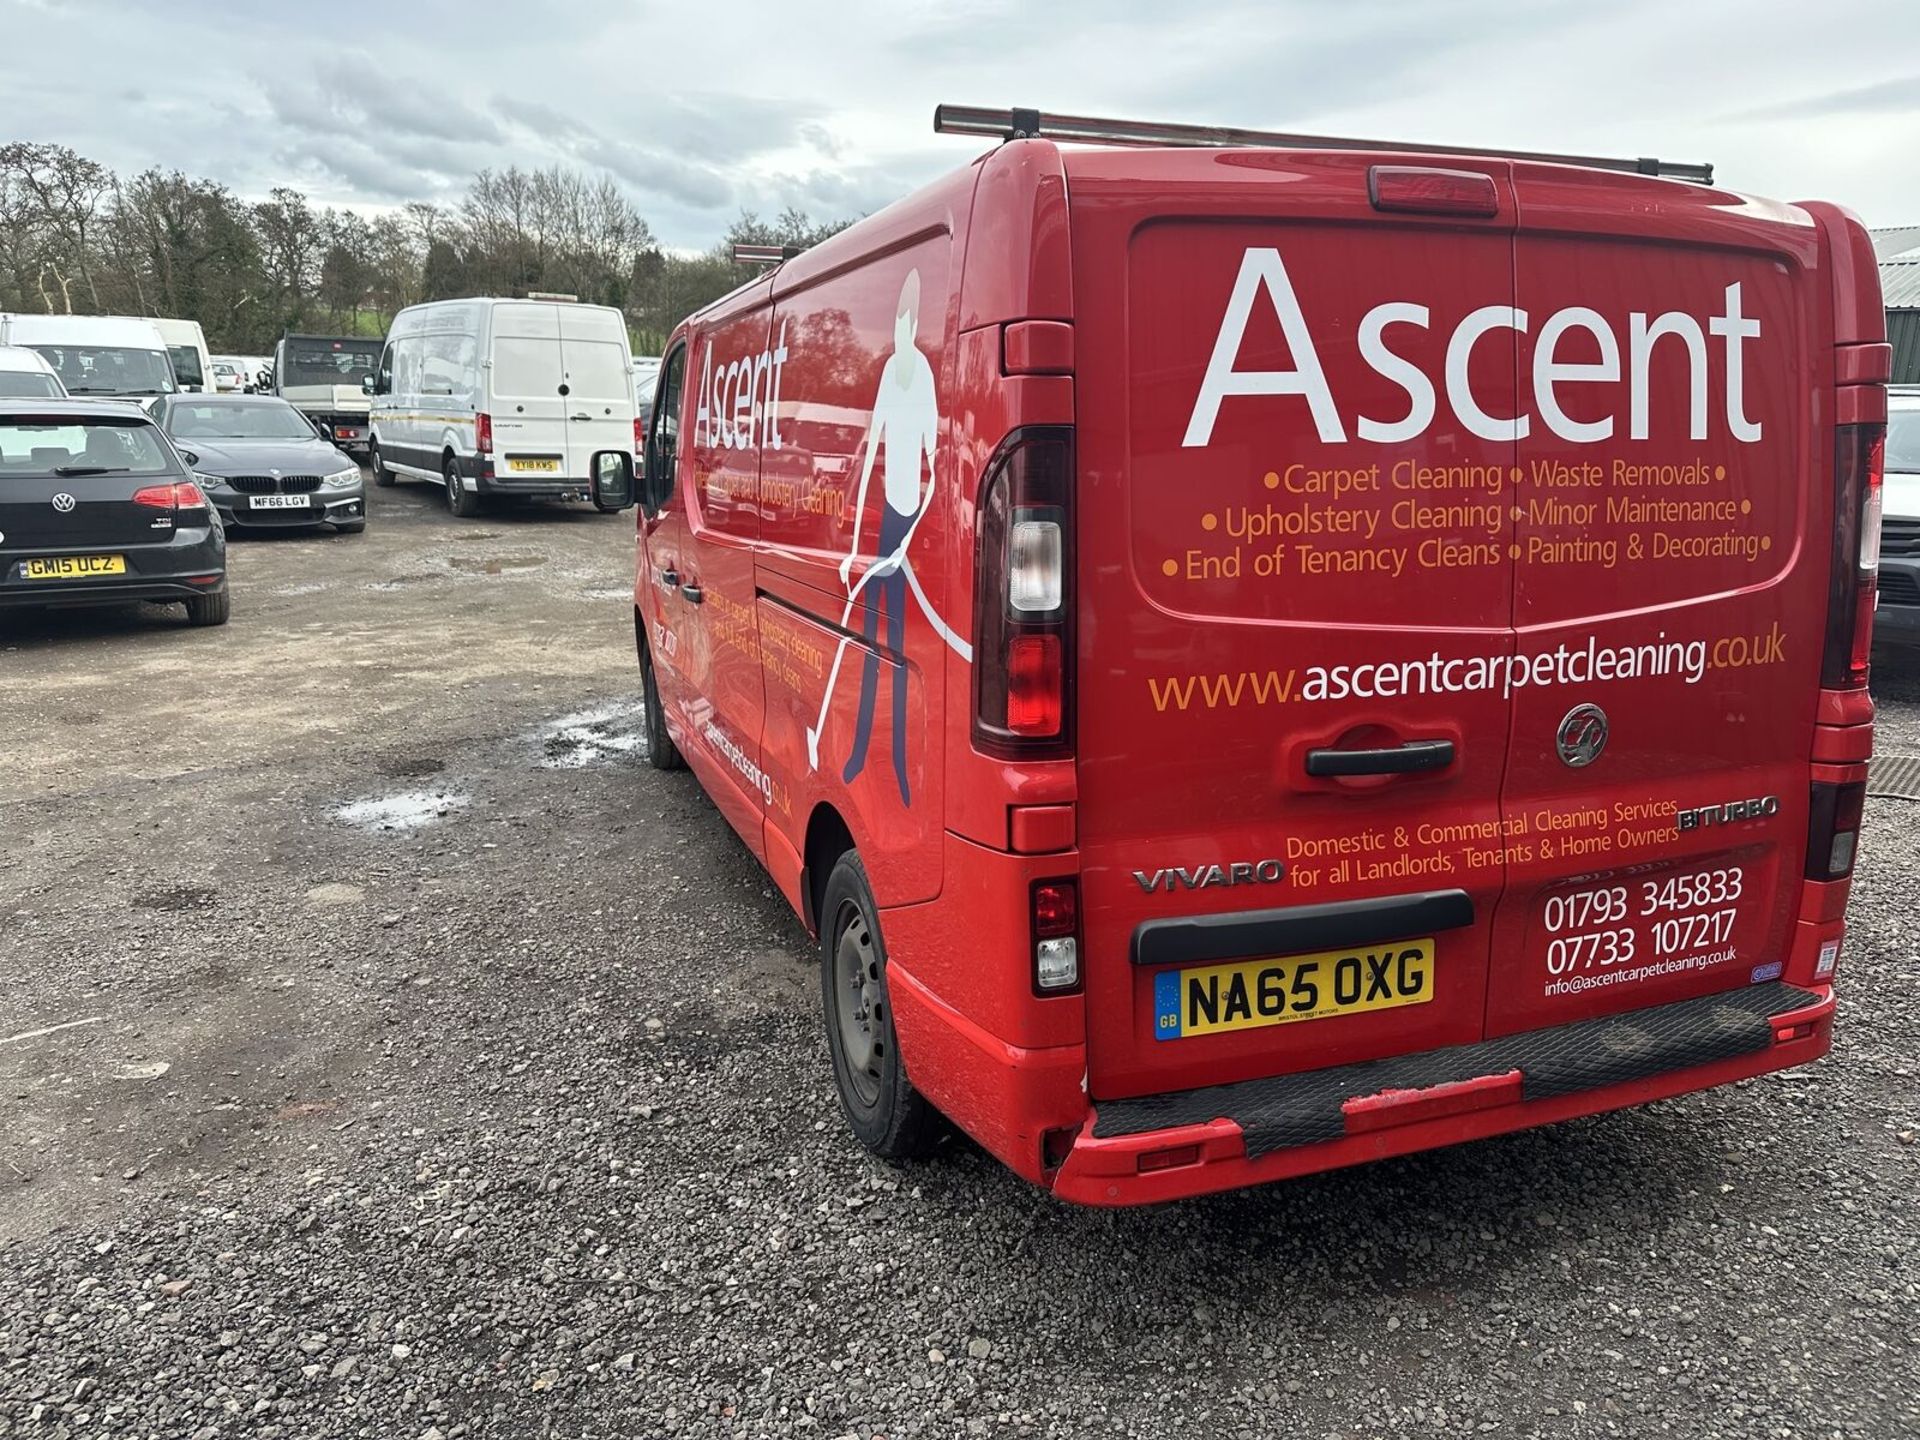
{"points": [[1261, 270], [740, 401]]}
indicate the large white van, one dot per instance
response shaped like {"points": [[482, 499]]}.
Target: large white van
{"points": [[187, 348], [501, 397], [97, 356]]}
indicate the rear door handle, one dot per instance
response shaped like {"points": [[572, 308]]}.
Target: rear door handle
{"points": [[581, 416], [1407, 759], [692, 593]]}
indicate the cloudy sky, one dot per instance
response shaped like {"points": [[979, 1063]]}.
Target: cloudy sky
{"points": [[701, 109]]}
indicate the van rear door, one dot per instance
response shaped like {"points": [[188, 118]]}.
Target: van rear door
{"points": [[529, 410], [1672, 585], [599, 380], [1294, 613]]}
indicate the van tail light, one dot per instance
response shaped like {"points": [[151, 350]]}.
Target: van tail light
{"points": [[1056, 936], [1833, 829], [639, 436], [1023, 584], [483, 433], [180, 495], [1859, 474]]}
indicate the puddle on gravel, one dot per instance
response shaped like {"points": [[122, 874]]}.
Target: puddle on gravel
{"points": [[589, 737], [409, 810], [495, 564], [399, 582]]}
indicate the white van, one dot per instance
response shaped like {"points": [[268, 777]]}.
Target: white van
{"points": [[187, 348], [25, 375], [97, 356], [501, 397]]}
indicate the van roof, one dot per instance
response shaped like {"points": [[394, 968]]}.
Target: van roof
{"points": [[123, 330]]}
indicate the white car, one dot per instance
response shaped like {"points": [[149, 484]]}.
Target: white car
{"points": [[24, 375], [502, 397], [1898, 617], [230, 375]]}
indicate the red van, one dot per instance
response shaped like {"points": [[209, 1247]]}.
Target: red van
{"points": [[1256, 654]]}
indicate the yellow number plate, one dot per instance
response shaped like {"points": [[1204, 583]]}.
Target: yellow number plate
{"points": [[74, 567], [1247, 994], [544, 467]]}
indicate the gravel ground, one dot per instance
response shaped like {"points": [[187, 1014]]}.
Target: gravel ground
{"points": [[443, 1071]]}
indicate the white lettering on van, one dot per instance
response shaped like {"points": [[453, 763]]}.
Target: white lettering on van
{"points": [[1263, 268], [741, 407], [1554, 375]]}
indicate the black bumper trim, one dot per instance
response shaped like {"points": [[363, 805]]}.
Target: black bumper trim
{"points": [[1288, 1110], [1299, 929]]}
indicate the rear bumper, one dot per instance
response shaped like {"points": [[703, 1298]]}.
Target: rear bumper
{"points": [[1174, 1147], [1304, 1124], [349, 432], [173, 571]]}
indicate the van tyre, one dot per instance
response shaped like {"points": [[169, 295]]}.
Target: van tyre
{"points": [[889, 1116], [662, 753], [381, 474], [213, 609], [461, 501]]}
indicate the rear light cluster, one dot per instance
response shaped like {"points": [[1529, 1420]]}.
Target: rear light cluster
{"points": [[639, 436], [180, 495], [483, 433], [1023, 639], [1056, 936], [1425, 190], [1859, 474], [1833, 829]]}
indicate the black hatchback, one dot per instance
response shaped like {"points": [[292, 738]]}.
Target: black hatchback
{"points": [[97, 508]]}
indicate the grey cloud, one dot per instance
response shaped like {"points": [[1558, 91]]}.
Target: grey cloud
{"points": [[1888, 97], [656, 173]]}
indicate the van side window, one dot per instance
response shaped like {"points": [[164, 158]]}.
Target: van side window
{"points": [[663, 448], [383, 380]]}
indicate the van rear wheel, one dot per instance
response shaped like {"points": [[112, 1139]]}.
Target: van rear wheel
{"points": [[884, 1111], [461, 501]]}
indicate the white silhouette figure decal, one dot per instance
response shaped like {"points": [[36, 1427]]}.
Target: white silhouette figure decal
{"points": [[906, 422]]}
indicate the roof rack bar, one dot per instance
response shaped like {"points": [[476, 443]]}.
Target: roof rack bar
{"points": [[1027, 124]]}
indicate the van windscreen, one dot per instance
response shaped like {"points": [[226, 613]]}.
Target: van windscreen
{"points": [[329, 362], [186, 365], [110, 369], [27, 385]]}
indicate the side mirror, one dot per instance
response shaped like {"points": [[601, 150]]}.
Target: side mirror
{"points": [[366, 385], [612, 482], [191, 457]]}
